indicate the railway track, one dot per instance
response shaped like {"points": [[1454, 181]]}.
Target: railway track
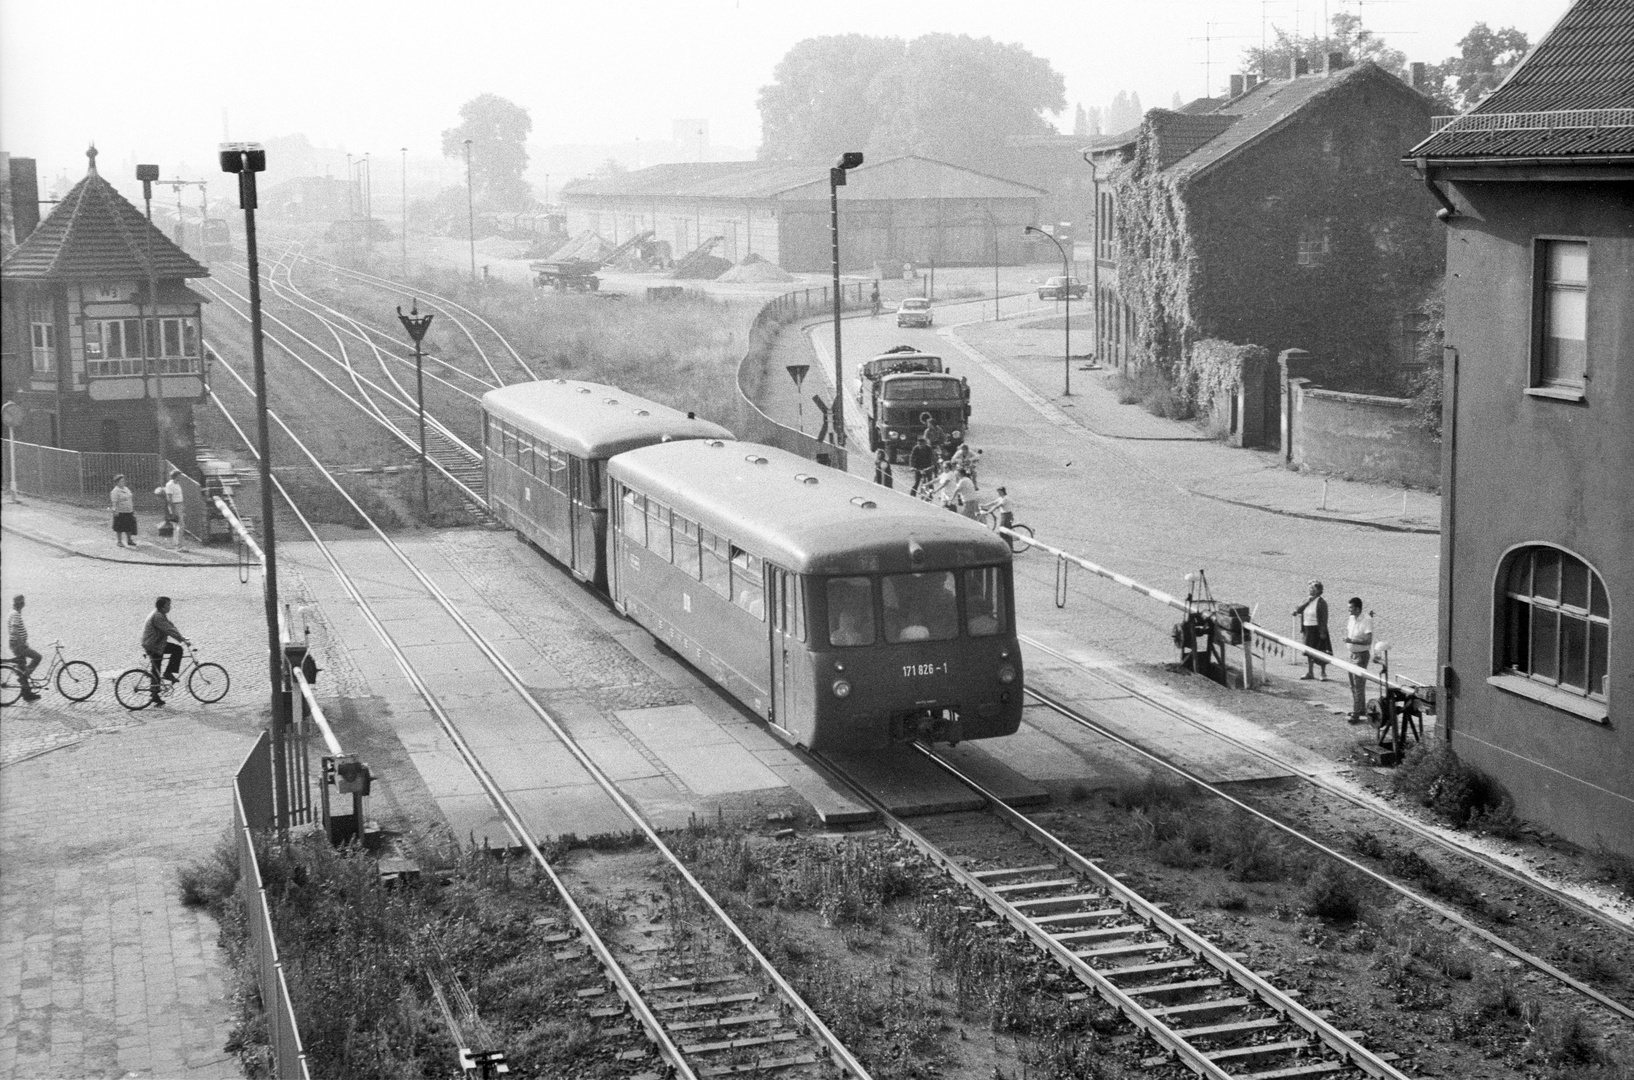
{"points": [[1204, 1009], [1492, 939], [679, 985]]}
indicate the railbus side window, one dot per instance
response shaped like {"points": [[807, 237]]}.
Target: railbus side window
{"points": [[748, 583], [850, 611], [920, 607], [686, 545], [524, 451], [559, 462], [716, 558], [658, 529], [985, 612], [634, 517], [797, 606]]}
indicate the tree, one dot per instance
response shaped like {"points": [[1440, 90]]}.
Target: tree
{"points": [[1347, 36], [1485, 58], [1080, 122], [498, 130], [944, 96], [1124, 112], [818, 104]]}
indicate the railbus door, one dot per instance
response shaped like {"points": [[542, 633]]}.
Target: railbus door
{"points": [[780, 601]]}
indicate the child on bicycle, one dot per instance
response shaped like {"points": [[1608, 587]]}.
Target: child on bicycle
{"points": [[1001, 508], [25, 658]]}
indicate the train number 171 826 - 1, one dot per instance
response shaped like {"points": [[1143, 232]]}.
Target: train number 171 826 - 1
{"points": [[910, 670]]}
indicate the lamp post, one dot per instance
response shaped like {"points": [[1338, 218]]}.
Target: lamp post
{"points": [[246, 159], [836, 178], [1095, 255], [1066, 294], [470, 213], [416, 325], [994, 223], [149, 175]]}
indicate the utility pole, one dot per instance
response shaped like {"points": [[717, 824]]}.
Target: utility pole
{"points": [[470, 213], [149, 174], [404, 228]]}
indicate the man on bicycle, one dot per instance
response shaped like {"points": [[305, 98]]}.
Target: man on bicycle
{"points": [[922, 458], [27, 659], [156, 642]]}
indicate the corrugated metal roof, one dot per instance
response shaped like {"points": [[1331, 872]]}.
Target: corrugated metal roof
{"points": [[769, 180], [95, 234], [1586, 61]]}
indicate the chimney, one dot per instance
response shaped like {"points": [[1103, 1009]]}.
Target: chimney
{"points": [[1335, 62], [1298, 66], [1416, 77], [1249, 82], [24, 191], [1236, 86]]}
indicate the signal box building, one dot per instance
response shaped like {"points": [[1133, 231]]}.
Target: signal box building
{"points": [[903, 209], [79, 290], [1537, 541]]}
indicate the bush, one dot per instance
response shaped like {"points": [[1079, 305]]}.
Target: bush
{"points": [[1332, 893], [211, 880], [1433, 775]]}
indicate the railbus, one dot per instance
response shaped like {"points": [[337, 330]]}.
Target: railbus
{"points": [[545, 450], [849, 615]]}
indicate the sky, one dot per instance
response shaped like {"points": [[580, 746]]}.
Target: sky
{"points": [[161, 81]]}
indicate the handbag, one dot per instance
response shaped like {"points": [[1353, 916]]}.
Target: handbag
{"points": [[168, 528]]}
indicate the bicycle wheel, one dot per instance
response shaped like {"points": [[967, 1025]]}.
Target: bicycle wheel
{"points": [[134, 689], [1023, 538], [11, 685], [77, 680], [208, 682], [987, 518]]}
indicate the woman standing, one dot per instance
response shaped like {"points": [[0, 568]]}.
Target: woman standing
{"points": [[123, 504], [1313, 625]]}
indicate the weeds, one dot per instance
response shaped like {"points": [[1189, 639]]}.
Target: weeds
{"points": [[211, 881], [1150, 388], [1332, 893], [1433, 775], [1616, 869]]}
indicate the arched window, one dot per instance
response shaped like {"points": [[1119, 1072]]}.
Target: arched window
{"points": [[1554, 621]]}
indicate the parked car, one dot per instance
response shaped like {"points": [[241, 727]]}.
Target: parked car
{"points": [[914, 311], [1059, 288]]}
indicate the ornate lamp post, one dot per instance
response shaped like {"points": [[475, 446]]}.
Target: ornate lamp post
{"points": [[1066, 294], [836, 178], [416, 325]]}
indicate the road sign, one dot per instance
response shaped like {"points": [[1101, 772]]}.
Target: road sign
{"points": [[797, 372]]}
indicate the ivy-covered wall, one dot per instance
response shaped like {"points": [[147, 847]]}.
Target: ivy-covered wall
{"points": [[1216, 255]]}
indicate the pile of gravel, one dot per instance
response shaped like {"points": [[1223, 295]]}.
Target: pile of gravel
{"points": [[754, 269]]}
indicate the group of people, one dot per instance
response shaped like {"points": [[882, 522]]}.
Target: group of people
{"points": [[122, 502], [946, 477], [1313, 626], [159, 643]]}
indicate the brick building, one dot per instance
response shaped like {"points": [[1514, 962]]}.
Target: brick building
{"points": [[1276, 217], [1537, 540], [78, 291]]}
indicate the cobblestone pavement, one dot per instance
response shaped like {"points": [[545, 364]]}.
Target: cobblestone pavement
{"points": [[103, 972]]}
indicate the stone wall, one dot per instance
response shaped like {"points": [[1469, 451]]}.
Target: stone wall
{"points": [[1360, 437]]}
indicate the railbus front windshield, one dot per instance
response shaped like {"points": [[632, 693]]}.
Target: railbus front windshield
{"points": [[925, 389], [923, 606]]}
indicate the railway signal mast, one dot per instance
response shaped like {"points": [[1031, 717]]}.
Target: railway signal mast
{"points": [[417, 325]]}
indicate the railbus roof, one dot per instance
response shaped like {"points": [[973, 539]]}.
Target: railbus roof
{"points": [[805, 517], [593, 420]]}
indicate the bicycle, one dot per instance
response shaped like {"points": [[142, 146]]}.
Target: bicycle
{"points": [[1019, 536], [75, 679], [206, 681]]}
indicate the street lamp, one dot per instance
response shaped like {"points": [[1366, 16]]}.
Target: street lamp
{"points": [[470, 213], [836, 178], [1066, 294], [416, 325], [246, 159], [1095, 256]]}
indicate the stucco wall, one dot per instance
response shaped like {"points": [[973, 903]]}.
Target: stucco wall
{"points": [[1362, 437], [1526, 469]]}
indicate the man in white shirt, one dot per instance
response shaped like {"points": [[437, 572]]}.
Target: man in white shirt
{"points": [[172, 492], [1359, 636]]}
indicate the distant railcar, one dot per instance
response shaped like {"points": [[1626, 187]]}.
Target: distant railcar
{"points": [[849, 615], [546, 445]]}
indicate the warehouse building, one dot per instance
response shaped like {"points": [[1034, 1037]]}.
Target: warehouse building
{"points": [[904, 209]]}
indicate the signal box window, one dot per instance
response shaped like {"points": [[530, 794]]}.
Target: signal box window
{"points": [[1561, 316], [1555, 622], [850, 611], [984, 602], [920, 607]]}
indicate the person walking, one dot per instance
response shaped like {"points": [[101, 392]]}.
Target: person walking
{"points": [[123, 504], [873, 301], [882, 469], [1003, 508], [1359, 636], [923, 460], [27, 658], [1313, 626], [157, 635], [935, 433], [172, 493], [964, 495]]}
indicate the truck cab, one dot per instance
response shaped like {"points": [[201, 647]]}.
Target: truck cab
{"points": [[896, 388]]}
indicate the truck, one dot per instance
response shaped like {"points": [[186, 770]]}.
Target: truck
{"points": [[576, 274], [897, 387]]}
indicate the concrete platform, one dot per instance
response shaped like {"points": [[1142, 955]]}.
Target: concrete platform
{"points": [[910, 785]]}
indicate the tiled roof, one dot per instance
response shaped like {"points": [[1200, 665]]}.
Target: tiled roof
{"points": [[702, 179], [95, 234], [1572, 95], [1179, 134]]}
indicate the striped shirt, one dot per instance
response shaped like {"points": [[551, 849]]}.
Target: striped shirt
{"points": [[16, 631]]}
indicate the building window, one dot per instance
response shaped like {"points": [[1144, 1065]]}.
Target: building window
{"points": [[1314, 244], [1561, 315], [42, 337], [113, 347], [1555, 622]]}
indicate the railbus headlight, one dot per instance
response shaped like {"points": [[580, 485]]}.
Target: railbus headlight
{"points": [[842, 688], [1007, 674]]}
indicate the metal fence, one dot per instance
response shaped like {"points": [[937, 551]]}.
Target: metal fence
{"points": [[253, 810], [83, 477], [753, 422]]}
